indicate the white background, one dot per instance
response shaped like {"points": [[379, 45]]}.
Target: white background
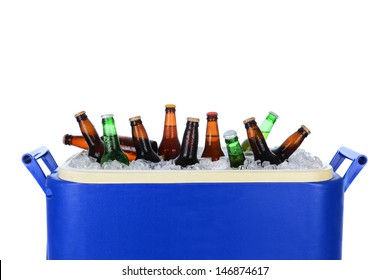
{"points": [[324, 64]]}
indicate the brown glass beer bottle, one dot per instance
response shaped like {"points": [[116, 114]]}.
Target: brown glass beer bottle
{"points": [[291, 144], [258, 144], [141, 141], [126, 142], [79, 141], [212, 146], [94, 142], [189, 145], [169, 147]]}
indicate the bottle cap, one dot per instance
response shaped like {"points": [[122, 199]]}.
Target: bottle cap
{"points": [[274, 114], [170, 106], [212, 114], [230, 134], [305, 129], [192, 119], [249, 120], [136, 118], [66, 139], [79, 114], [105, 116]]}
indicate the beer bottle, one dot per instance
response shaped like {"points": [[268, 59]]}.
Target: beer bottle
{"points": [[94, 143], [125, 142], [141, 141], [235, 153], [169, 147], [79, 141], [291, 144], [212, 146], [189, 145], [112, 148], [265, 128], [258, 144]]}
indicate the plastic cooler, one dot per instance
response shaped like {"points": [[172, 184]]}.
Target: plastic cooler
{"points": [[221, 214]]}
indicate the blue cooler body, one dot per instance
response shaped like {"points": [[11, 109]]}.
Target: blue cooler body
{"points": [[181, 215]]}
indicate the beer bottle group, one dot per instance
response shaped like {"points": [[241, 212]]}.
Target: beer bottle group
{"points": [[111, 146]]}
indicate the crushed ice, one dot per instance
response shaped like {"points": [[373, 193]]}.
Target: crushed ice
{"points": [[300, 160]]}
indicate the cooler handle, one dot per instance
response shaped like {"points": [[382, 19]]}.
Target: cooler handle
{"points": [[30, 160], [358, 162]]}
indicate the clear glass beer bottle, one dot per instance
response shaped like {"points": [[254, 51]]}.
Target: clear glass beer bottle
{"points": [[292, 143], [112, 149], [235, 153], [265, 128], [258, 144], [94, 143], [79, 141], [169, 147], [141, 141], [212, 146], [189, 145]]}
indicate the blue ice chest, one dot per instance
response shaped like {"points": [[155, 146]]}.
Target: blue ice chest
{"points": [[222, 214]]}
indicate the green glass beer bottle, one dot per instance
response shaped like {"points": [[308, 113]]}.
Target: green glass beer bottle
{"points": [[265, 128], [258, 144], [141, 140], [235, 153], [112, 148], [189, 145], [291, 144]]}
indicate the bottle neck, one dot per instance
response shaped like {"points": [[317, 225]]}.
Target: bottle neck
{"points": [[111, 141], [303, 132], [212, 130], [231, 141], [77, 141], [170, 128]]}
